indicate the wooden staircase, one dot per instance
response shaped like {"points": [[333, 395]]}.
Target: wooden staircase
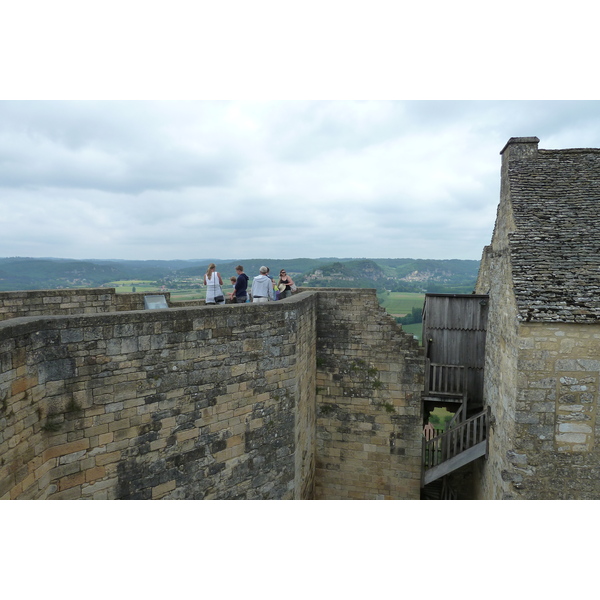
{"points": [[463, 443]]}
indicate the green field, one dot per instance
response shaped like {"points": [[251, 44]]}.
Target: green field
{"points": [[399, 304], [129, 282], [141, 286], [193, 294], [415, 328]]}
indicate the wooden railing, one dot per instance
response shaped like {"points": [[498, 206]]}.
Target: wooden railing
{"points": [[446, 380], [454, 442], [458, 417]]}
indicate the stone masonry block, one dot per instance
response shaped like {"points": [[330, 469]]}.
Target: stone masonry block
{"points": [[65, 449]]}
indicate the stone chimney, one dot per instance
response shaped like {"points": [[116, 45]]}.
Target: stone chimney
{"points": [[520, 147]]}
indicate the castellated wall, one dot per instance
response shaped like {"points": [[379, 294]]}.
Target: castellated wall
{"points": [[204, 402]]}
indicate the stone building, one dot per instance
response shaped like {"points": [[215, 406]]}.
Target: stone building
{"points": [[542, 364]]}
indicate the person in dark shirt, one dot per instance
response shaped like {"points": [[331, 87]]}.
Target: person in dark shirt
{"points": [[240, 292], [284, 285]]}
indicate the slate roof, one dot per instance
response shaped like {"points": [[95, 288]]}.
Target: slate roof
{"points": [[555, 250]]}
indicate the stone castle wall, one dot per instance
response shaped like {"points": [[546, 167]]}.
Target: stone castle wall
{"points": [[502, 347], [555, 450], [199, 402], [68, 302], [501, 376], [369, 385], [189, 403]]}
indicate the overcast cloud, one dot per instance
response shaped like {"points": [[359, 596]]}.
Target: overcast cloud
{"points": [[281, 179]]}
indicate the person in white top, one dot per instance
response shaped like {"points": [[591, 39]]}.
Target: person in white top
{"points": [[262, 287], [213, 283]]}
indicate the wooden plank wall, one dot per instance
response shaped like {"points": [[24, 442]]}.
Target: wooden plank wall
{"points": [[454, 332]]}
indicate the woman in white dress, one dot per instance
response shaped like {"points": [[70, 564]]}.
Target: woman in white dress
{"points": [[213, 283]]}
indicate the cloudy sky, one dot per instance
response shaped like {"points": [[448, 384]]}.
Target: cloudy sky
{"points": [[248, 130], [278, 179]]}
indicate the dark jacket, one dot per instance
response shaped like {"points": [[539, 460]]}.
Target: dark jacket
{"points": [[241, 285]]}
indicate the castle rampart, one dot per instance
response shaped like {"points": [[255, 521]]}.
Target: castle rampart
{"points": [[209, 402]]}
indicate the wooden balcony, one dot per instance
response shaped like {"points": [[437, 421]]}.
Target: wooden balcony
{"points": [[446, 380]]}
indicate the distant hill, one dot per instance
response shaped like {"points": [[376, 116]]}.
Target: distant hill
{"points": [[398, 274], [50, 273], [252, 265]]}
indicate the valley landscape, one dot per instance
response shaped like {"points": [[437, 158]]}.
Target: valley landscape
{"points": [[400, 283]]}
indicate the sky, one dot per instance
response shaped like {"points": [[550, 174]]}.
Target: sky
{"points": [[276, 130], [280, 179]]}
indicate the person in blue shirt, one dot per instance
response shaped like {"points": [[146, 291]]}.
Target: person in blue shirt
{"points": [[240, 292]]}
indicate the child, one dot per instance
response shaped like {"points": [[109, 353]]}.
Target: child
{"points": [[233, 279]]}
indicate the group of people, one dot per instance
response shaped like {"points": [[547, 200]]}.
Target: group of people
{"points": [[264, 288]]}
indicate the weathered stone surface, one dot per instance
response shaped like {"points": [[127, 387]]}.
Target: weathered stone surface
{"points": [[369, 384], [198, 402]]}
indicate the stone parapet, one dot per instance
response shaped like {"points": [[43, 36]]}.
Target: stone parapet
{"points": [[209, 402], [56, 302], [32, 303]]}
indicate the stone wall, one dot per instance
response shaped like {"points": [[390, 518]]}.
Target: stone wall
{"points": [[68, 302], [212, 402], [502, 349], [555, 450], [65, 302], [369, 385], [501, 376]]}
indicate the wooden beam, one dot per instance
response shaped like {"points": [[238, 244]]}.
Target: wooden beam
{"points": [[455, 462]]}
